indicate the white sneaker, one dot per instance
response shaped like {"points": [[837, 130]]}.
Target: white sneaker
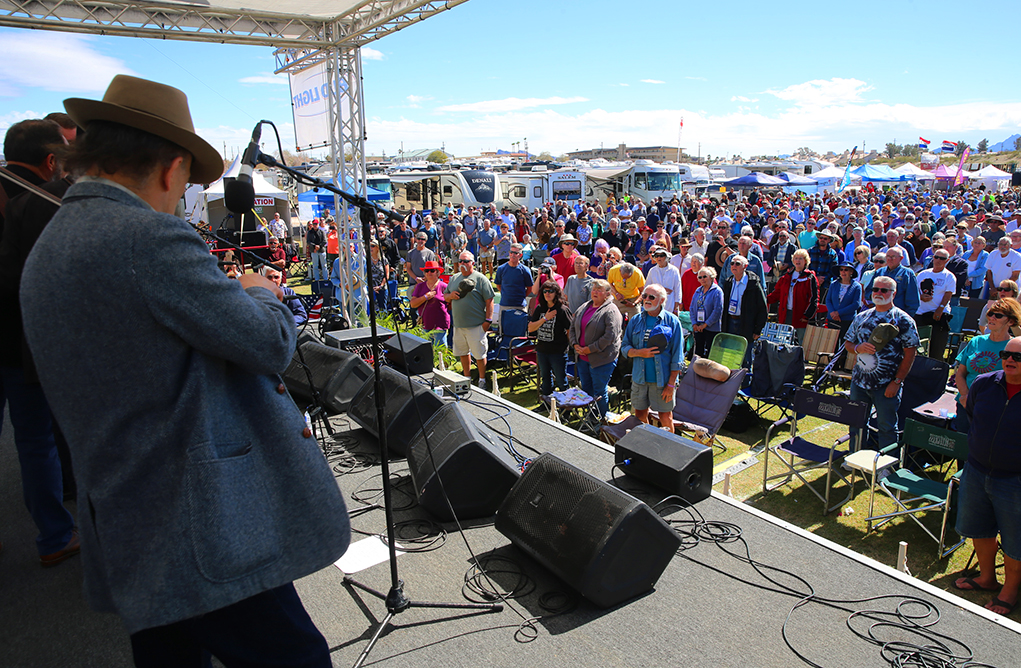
{"points": [[482, 384]]}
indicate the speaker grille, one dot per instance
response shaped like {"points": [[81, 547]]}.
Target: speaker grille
{"points": [[337, 374], [399, 408]]}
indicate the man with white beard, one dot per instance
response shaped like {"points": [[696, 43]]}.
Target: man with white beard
{"points": [[885, 338]]}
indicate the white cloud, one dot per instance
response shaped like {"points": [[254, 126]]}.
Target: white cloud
{"points": [[742, 98], [825, 115], [265, 78], [823, 93], [653, 81], [511, 104], [12, 117], [56, 62], [368, 53]]}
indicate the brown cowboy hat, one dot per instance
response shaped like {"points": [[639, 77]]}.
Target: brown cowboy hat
{"points": [[154, 108]]}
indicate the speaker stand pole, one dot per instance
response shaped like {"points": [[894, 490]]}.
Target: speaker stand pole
{"points": [[396, 600]]}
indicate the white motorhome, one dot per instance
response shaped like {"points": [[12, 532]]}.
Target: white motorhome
{"points": [[534, 188], [643, 179], [432, 189]]}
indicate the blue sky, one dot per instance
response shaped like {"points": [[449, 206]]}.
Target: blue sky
{"points": [[747, 77]]}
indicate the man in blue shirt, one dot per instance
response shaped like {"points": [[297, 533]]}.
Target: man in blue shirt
{"points": [[655, 336], [513, 279], [907, 297]]}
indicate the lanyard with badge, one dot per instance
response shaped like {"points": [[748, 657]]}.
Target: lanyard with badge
{"points": [[700, 309]]}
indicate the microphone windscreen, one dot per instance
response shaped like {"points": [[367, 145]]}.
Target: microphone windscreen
{"points": [[238, 196]]}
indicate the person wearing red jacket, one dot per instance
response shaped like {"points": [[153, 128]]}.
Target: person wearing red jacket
{"points": [[797, 293]]}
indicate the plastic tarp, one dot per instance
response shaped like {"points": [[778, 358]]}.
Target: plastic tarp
{"points": [[832, 176], [755, 179]]}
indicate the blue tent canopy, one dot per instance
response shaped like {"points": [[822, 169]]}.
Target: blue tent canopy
{"points": [[755, 179], [880, 173]]}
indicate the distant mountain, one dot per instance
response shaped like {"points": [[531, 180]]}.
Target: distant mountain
{"points": [[1005, 145]]}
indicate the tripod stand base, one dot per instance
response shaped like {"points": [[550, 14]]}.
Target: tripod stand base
{"points": [[397, 602]]}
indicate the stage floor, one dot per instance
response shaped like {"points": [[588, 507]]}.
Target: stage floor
{"points": [[709, 607]]}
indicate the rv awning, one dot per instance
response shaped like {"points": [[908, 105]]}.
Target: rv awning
{"points": [[606, 173], [411, 177]]}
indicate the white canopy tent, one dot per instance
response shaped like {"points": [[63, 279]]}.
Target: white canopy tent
{"points": [[916, 171], [991, 177], [269, 199], [828, 178]]}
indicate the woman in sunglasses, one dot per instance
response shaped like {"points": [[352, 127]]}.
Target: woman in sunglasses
{"points": [[550, 322], [981, 354], [1008, 289], [427, 297], [989, 501]]}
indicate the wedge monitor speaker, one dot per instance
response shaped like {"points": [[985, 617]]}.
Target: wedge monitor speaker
{"points": [[670, 462], [400, 415], [337, 374], [468, 465], [601, 541], [409, 352]]}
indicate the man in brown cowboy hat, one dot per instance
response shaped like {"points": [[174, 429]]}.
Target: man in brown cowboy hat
{"points": [[202, 494]]}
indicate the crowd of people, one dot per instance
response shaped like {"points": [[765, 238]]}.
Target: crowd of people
{"points": [[192, 420]]}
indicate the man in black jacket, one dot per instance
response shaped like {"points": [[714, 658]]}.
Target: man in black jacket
{"points": [[744, 303], [316, 244]]}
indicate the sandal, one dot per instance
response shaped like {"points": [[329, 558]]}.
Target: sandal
{"points": [[1002, 604], [974, 586]]}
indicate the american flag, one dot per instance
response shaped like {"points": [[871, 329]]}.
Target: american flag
{"points": [[315, 312]]}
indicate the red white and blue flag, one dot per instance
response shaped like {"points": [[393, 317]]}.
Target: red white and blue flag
{"points": [[949, 146], [316, 311], [923, 143]]}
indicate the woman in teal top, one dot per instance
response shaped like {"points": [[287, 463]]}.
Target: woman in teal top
{"points": [[982, 353]]}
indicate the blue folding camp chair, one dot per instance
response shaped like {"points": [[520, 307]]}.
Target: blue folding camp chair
{"points": [[804, 456]]}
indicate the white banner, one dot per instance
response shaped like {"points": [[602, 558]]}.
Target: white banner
{"points": [[309, 100]]}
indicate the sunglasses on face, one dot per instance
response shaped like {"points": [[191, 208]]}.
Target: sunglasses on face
{"points": [[882, 291], [1008, 355], [940, 257], [465, 261], [1004, 290], [649, 298], [549, 292], [429, 271]]}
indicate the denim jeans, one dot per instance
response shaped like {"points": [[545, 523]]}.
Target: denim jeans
{"points": [[552, 366], [594, 380], [320, 270], [886, 413], [41, 479]]}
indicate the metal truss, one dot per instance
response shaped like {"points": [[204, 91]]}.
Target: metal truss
{"points": [[361, 23]]}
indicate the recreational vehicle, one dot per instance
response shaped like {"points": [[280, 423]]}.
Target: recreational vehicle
{"points": [[432, 189], [534, 188], [644, 179]]}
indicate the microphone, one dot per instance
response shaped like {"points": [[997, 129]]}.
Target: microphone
{"points": [[239, 193]]}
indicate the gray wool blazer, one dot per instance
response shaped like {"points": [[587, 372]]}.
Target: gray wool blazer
{"points": [[196, 485]]}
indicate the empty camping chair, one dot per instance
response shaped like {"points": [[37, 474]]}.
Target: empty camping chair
{"points": [[918, 493], [729, 350], [777, 371], [803, 456], [511, 341]]}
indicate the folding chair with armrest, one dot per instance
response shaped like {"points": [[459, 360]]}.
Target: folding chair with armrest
{"points": [[806, 456], [930, 493]]}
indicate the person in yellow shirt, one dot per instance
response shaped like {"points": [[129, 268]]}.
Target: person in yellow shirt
{"points": [[627, 284]]}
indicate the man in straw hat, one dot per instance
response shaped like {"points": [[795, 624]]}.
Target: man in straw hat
{"points": [[202, 494]]}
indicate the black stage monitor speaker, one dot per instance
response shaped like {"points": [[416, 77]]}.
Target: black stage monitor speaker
{"points": [[1015, 179], [356, 339], [409, 352], [337, 374], [468, 462], [603, 542], [668, 461], [399, 412]]}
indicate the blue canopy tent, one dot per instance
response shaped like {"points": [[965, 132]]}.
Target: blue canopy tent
{"points": [[793, 179], [312, 203], [881, 173], [755, 180]]}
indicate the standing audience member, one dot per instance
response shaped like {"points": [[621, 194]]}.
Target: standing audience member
{"points": [[1002, 264], [744, 304], [380, 271], [885, 338], [982, 353], [627, 284], [596, 337], [976, 259], [316, 245], [578, 288], [988, 502], [166, 542], [470, 295], [690, 280], [664, 274], [427, 298], [512, 280], [797, 294], [706, 311], [655, 337], [936, 287], [843, 299], [551, 322]]}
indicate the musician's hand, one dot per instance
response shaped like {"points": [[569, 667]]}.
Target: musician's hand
{"points": [[253, 280]]}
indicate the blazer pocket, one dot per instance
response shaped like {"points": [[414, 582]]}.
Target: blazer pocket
{"points": [[233, 529]]}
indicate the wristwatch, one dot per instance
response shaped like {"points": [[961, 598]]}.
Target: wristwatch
{"points": [[899, 381]]}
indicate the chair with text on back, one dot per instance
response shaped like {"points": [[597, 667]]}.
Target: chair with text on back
{"points": [[805, 456], [906, 487]]}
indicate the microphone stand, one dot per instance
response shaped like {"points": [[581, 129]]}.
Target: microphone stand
{"points": [[396, 600]]}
